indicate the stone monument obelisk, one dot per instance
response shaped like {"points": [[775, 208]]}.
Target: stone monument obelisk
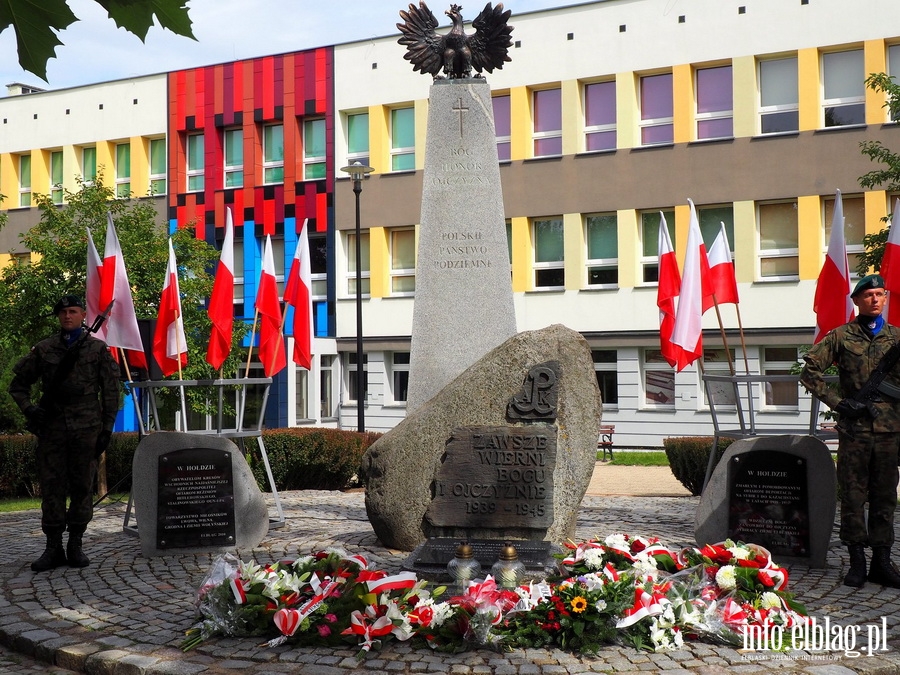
{"points": [[464, 303]]}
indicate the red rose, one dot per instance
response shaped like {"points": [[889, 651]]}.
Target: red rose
{"points": [[637, 546], [765, 579]]}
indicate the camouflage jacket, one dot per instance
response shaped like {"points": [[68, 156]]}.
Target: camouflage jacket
{"points": [[89, 396], [856, 355]]}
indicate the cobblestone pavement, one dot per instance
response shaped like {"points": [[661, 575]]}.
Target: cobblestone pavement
{"points": [[126, 614]]}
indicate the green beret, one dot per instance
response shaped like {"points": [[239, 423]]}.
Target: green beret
{"points": [[67, 301], [867, 282]]}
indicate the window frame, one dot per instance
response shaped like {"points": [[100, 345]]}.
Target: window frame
{"points": [[539, 136], [539, 266], [356, 154], [605, 263], [718, 114], [781, 367], [853, 249], [301, 395], [398, 274], [24, 180], [649, 367], [56, 171], [714, 366], [232, 167], [646, 236], [857, 101], [157, 177], [774, 110], [402, 153], [313, 165], [765, 254], [350, 373], [365, 261], [123, 179], [395, 370], [273, 163], [607, 367], [195, 180], [503, 140], [651, 123], [601, 130], [92, 150]]}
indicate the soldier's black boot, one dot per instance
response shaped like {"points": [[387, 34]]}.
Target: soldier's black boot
{"points": [[883, 570], [53, 556], [76, 556], [856, 577]]}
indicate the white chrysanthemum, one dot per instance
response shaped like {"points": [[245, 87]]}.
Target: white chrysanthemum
{"points": [[739, 552], [600, 605], [770, 600], [442, 612], [617, 540], [593, 559], [645, 565], [593, 582], [725, 578]]}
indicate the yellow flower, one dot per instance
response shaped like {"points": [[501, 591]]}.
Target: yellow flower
{"points": [[578, 604]]}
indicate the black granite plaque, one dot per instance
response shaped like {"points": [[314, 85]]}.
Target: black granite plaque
{"points": [[496, 477], [430, 559], [196, 499], [768, 501]]}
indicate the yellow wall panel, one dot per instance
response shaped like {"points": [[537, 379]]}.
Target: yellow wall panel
{"points": [[520, 123], [379, 138], [810, 236], [745, 241], [140, 166], [626, 111], [8, 185], [522, 276], [106, 161], [379, 263], [71, 167], [629, 247], [682, 226], [810, 97], [574, 251], [877, 208], [875, 62], [421, 114], [40, 173], [572, 118], [744, 104], [683, 103]]}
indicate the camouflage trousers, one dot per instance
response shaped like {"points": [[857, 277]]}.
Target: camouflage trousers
{"points": [[67, 467], [867, 472]]}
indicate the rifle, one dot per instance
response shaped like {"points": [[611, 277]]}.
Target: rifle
{"points": [[49, 395], [862, 402]]}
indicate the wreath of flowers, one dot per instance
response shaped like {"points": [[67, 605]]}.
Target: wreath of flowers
{"points": [[626, 589]]}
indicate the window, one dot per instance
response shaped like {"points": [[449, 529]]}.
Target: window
{"points": [[123, 170], [195, 161], [273, 153], [854, 227], [158, 166], [326, 386], [714, 103], [278, 255], [650, 243], [780, 361], [351, 369], [233, 152], [602, 237], [363, 265], [656, 109], [89, 164], [779, 252], [399, 373], [893, 63], [600, 116], [56, 176], [318, 256], [845, 89], [659, 380], [313, 149], [403, 139], [301, 394], [605, 361], [24, 180], [710, 218], [778, 96], [502, 126], [403, 261], [358, 138], [719, 362], [547, 122], [549, 260]]}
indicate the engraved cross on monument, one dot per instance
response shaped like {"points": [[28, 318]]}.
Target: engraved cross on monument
{"points": [[464, 303]]}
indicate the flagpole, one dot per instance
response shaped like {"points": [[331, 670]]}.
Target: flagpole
{"points": [[722, 331], [184, 417], [737, 308], [252, 333]]}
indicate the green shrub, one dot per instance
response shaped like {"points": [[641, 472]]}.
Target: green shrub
{"points": [[310, 458], [18, 467], [119, 457], [689, 456]]}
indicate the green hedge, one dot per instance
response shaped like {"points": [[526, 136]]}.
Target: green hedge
{"points": [[689, 456], [301, 459]]}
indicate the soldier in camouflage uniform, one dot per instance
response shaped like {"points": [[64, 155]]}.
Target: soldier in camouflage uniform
{"points": [[869, 435], [73, 421]]}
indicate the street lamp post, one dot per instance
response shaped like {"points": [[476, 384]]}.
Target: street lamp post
{"points": [[357, 172]]}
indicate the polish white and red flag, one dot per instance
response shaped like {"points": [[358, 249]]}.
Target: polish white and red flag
{"points": [[890, 264], [695, 292], [271, 341], [832, 303], [722, 281], [298, 294], [92, 286], [221, 301], [668, 289], [169, 342], [122, 327]]}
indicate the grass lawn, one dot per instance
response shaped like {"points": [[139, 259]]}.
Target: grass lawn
{"points": [[626, 458], [28, 503]]}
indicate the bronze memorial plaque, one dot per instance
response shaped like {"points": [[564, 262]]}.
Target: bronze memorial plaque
{"points": [[496, 477], [196, 499]]}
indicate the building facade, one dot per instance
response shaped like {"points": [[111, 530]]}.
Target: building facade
{"points": [[609, 114]]}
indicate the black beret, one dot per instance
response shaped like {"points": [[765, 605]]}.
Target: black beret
{"points": [[67, 301]]}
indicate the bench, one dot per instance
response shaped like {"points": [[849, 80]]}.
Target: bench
{"points": [[605, 442]]}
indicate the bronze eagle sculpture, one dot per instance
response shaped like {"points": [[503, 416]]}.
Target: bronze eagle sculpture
{"points": [[456, 53]]}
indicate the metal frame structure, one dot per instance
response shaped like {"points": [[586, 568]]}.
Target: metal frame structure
{"points": [[150, 423]]}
